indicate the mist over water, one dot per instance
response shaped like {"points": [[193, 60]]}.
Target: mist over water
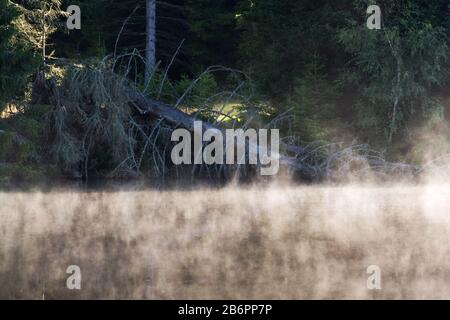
{"points": [[254, 242]]}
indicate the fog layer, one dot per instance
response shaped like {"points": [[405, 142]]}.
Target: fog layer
{"points": [[256, 242]]}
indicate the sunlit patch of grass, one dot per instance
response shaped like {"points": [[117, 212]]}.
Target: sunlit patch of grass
{"points": [[228, 111], [9, 111], [221, 111]]}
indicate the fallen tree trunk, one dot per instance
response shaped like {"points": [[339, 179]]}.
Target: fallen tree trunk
{"points": [[97, 88], [177, 118]]}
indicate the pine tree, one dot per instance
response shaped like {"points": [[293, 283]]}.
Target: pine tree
{"points": [[42, 19], [213, 38], [17, 58]]}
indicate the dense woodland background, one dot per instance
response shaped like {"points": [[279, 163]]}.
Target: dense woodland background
{"points": [[310, 68]]}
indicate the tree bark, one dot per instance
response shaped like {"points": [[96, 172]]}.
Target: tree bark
{"points": [[150, 54], [39, 91]]}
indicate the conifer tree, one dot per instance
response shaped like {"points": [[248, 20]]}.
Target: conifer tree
{"points": [[41, 19], [17, 58]]}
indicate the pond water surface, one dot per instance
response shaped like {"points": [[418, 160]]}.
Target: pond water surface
{"points": [[236, 242]]}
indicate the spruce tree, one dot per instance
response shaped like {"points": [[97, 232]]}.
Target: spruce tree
{"points": [[42, 18], [17, 58]]}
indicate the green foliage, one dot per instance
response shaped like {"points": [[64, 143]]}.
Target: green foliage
{"points": [[41, 21], [281, 37], [118, 26], [378, 80], [397, 68], [22, 151], [15, 148], [13, 173], [17, 59], [312, 100], [25, 27], [206, 28], [289, 50], [313, 62], [90, 121], [213, 38], [196, 95]]}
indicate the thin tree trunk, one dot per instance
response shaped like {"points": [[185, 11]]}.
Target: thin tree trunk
{"points": [[44, 38], [397, 97], [151, 39]]}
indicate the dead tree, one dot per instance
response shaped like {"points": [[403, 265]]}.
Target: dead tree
{"points": [[150, 59], [177, 118]]}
